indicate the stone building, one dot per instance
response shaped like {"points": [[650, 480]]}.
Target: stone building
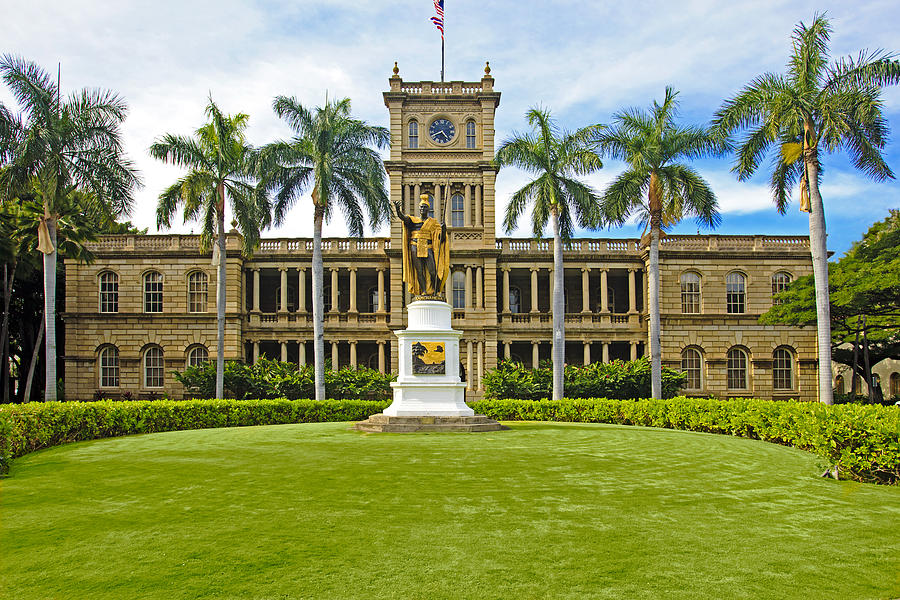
{"points": [[146, 307]]}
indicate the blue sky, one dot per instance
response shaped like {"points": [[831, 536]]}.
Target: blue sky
{"points": [[583, 60]]}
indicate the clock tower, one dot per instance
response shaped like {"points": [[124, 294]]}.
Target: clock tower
{"points": [[442, 144]]}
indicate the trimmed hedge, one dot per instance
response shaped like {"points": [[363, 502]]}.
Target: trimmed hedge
{"points": [[28, 427], [858, 442], [617, 379]]}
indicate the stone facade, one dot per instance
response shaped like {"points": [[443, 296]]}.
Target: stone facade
{"points": [[499, 288]]}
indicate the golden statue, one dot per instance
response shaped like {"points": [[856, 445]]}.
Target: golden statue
{"points": [[426, 253]]}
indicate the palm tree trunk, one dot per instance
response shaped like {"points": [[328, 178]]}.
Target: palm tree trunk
{"points": [[653, 300], [9, 276], [220, 297], [559, 307], [50, 316], [819, 251], [26, 397], [318, 304]]}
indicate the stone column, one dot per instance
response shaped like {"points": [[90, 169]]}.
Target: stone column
{"points": [[301, 289], [585, 290], [352, 354], [301, 353], [469, 374], [415, 200], [283, 351], [479, 288], [480, 363], [467, 210], [255, 351], [534, 294], [605, 352], [535, 354], [437, 201], [604, 291], [284, 294], [478, 222], [352, 289], [507, 350], [634, 350], [506, 290], [468, 295], [632, 296], [407, 192], [381, 356], [334, 355], [381, 291], [334, 290], [587, 353], [256, 289]]}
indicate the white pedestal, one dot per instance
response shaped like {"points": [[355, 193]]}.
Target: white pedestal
{"points": [[429, 394]]}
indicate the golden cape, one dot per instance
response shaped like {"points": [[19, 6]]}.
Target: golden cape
{"points": [[430, 229]]}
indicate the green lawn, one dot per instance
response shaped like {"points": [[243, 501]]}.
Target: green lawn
{"points": [[545, 510]]}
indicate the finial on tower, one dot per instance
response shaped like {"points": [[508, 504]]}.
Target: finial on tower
{"points": [[396, 69], [487, 67]]}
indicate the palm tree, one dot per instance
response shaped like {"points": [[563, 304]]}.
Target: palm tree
{"points": [[331, 150], [63, 145], [555, 158], [220, 165], [816, 106], [657, 188]]}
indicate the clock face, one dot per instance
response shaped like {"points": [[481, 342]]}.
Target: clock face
{"points": [[441, 131]]}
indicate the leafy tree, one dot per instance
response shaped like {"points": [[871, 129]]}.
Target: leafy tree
{"points": [[816, 107], [864, 288], [330, 150], [657, 188], [555, 158], [63, 146], [220, 164]]}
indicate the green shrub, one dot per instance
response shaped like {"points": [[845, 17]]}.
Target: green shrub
{"points": [[860, 442], [275, 379], [616, 379], [28, 427]]}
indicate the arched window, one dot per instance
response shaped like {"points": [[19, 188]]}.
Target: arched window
{"points": [[692, 366], [457, 214], [154, 369], [198, 291], [895, 385], [736, 373], [876, 380], [856, 386], [458, 281], [782, 369], [735, 287], [413, 134], [470, 134], [780, 281], [153, 292], [109, 367], [515, 300], [109, 292], [839, 384], [197, 356], [690, 293]]}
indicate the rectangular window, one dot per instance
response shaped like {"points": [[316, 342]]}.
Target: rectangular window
{"points": [[153, 368], [198, 285], [109, 293], [470, 135], [153, 293], [690, 366], [734, 293], [690, 294], [736, 373], [109, 367], [782, 370], [413, 135], [457, 216]]}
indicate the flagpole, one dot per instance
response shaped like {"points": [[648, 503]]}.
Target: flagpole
{"points": [[442, 58]]}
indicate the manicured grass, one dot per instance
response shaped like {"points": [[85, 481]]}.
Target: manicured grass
{"points": [[545, 510]]}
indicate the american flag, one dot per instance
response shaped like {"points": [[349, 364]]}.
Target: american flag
{"points": [[439, 19]]}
